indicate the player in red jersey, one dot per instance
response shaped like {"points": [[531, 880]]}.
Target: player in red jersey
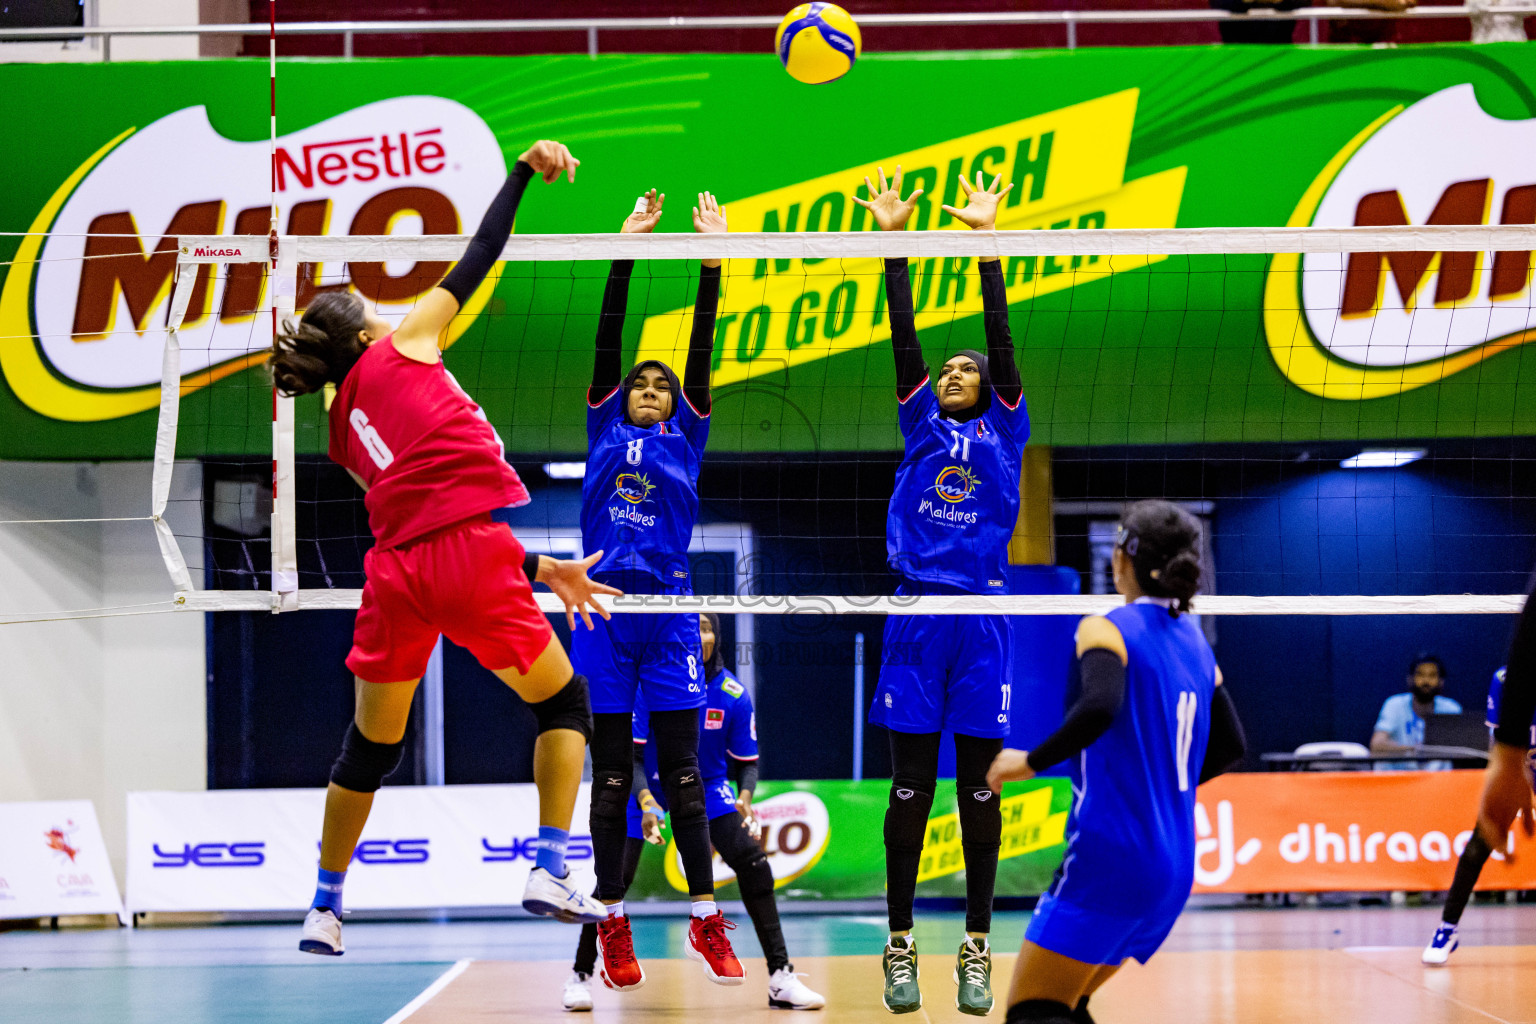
{"points": [[433, 469]]}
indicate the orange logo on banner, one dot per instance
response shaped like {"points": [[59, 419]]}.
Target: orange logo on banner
{"points": [[1344, 831]]}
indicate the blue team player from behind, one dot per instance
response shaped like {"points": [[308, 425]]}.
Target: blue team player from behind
{"points": [[952, 511], [1148, 722], [640, 497], [727, 754], [1474, 855]]}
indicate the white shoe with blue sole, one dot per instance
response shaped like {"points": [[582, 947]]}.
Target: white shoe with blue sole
{"points": [[559, 898], [322, 934]]}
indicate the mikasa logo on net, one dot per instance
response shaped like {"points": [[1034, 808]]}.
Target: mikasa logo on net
{"points": [[1372, 324], [98, 304]]}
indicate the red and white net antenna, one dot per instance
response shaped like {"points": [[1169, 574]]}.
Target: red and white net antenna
{"points": [[281, 268]]}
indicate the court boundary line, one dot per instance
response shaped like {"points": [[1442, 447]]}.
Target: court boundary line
{"points": [[427, 994], [1426, 989]]}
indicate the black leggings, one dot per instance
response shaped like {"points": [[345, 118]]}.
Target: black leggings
{"points": [[1468, 867], [676, 735], [745, 857], [914, 778]]}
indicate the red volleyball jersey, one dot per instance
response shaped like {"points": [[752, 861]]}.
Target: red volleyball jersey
{"points": [[427, 452]]}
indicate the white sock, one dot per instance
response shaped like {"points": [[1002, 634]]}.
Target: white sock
{"points": [[704, 908], [616, 909]]}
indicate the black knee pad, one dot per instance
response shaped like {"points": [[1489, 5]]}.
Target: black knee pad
{"points": [[906, 819], [753, 875], [610, 798], [981, 818], [685, 792], [569, 709], [363, 764]]}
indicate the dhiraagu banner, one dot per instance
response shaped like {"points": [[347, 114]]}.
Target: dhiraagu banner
{"points": [[824, 841], [1112, 351]]}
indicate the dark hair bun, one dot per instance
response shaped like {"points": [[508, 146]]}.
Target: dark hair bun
{"points": [[1163, 542], [322, 348], [1180, 578]]}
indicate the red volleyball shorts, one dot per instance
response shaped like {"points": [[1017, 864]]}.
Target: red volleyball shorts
{"points": [[465, 582]]}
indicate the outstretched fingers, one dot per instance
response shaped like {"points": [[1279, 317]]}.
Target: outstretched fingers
{"points": [[880, 173]]}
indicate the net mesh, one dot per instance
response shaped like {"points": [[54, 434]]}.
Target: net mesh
{"points": [[1235, 371]]}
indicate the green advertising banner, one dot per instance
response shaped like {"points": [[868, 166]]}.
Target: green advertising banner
{"points": [[824, 842], [1124, 350]]}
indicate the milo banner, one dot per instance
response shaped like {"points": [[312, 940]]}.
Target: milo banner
{"points": [[824, 841], [1112, 350]]}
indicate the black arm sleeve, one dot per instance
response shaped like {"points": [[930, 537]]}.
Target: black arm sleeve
{"points": [[1227, 744], [1103, 691], [701, 344], [1000, 365], [1517, 704], [638, 781], [608, 365], [744, 774], [911, 371], [491, 237], [530, 565]]}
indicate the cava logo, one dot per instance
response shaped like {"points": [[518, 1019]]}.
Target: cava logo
{"points": [[1068, 171], [1366, 324], [94, 296]]}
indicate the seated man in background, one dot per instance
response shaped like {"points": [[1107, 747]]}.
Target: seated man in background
{"points": [[1400, 725]]}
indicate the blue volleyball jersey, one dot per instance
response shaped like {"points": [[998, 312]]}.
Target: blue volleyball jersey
{"points": [[727, 729], [640, 495], [1131, 832], [956, 499], [1495, 691]]}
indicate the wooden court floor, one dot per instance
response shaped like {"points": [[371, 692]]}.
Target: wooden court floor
{"points": [[1487, 985]]}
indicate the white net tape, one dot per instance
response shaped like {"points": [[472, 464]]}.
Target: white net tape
{"points": [[286, 593]]}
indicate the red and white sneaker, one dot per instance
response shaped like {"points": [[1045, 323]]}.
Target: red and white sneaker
{"points": [[709, 945], [619, 970]]}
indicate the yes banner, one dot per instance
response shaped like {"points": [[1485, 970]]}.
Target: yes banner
{"points": [[256, 849], [1112, 350], [53, 861]]}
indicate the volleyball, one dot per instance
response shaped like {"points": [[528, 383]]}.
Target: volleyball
{"points": [[817, 43]]}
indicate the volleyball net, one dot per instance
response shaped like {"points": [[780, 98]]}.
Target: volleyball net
{"points": [[1253, 375]]}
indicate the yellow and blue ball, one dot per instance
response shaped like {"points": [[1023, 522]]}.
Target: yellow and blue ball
{"points": [[817, 43]]}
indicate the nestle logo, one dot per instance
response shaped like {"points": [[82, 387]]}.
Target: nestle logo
{"points": [[394, 155], [202, 251]]}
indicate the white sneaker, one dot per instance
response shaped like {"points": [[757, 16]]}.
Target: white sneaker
{"points": [[787, 992], [578, 993], [559, 898], [1441, 946], [322, 934]]}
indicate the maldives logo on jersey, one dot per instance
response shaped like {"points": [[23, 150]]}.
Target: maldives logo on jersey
{"points": [[955, 484], [634, 488], [87, 315], [1367, 324]]}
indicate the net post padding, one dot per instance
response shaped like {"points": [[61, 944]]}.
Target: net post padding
{"points": [[165, 431], [285, 545]]}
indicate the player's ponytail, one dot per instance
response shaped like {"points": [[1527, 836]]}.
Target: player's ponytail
{"points": [[321, 348], [1163, 542]]}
